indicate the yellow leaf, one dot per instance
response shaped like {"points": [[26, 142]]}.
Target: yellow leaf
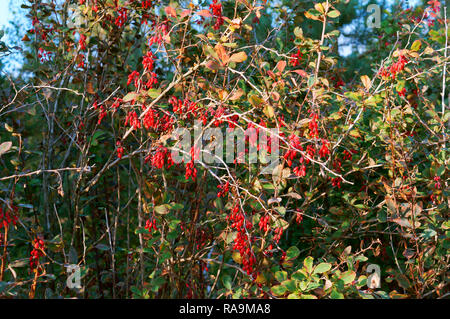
{"points": [[416, 45], [269, 111], [354, 133], [366, 81], [319, 7], [237, 257]]}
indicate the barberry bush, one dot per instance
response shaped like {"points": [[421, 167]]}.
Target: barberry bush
{"points": [[88, 174]]}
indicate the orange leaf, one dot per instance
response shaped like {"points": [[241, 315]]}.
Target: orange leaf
{"points": [[170, 11], [212, 65], [185, 13], [90, 88], [238, 57], [236, 94], [222, 53], [281, 65]]}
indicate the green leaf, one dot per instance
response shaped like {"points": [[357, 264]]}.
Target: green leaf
{"points": [[299, 275], [336, 295], [348, 277], [428, 233], [290, 285], [440, 171], [292, 253], [321, 268], [226, 280], [281, 276], [135, 290], [162, 209], [308, 263], [278, 290], [176, 206], [306, 296], [153, 93], [334, 14], [130, 96]]}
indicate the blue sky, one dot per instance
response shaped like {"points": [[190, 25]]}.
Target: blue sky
{"points": [[6, 9], [5, 12]]}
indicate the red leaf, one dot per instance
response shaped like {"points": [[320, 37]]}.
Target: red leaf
{"points": [[300, 72], [205, 13]]}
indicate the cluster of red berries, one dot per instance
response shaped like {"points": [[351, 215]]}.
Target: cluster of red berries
{"points": [[44, 56], [121, 18], [395, 68], [161, 158], [296, 58], [37, 252], [294, 143], [337, 83], [298, 216], [348, 155], [336, 182], [300, 171], [160, 32], [152, 120], [116, 103], [324, 151], [264, 223], [191, 171], [148, 61], [224, 189], [216, 9], [313, 127], [402, 92], [437, 179], [119, 149], [289, 156], [242, 242], [150, 224], [184, 107], [102, 113], [202, 237], [146, 4], [278, 232], [7, 217], [133, 119], [82, 42], [133, 77], [40, 29]]}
